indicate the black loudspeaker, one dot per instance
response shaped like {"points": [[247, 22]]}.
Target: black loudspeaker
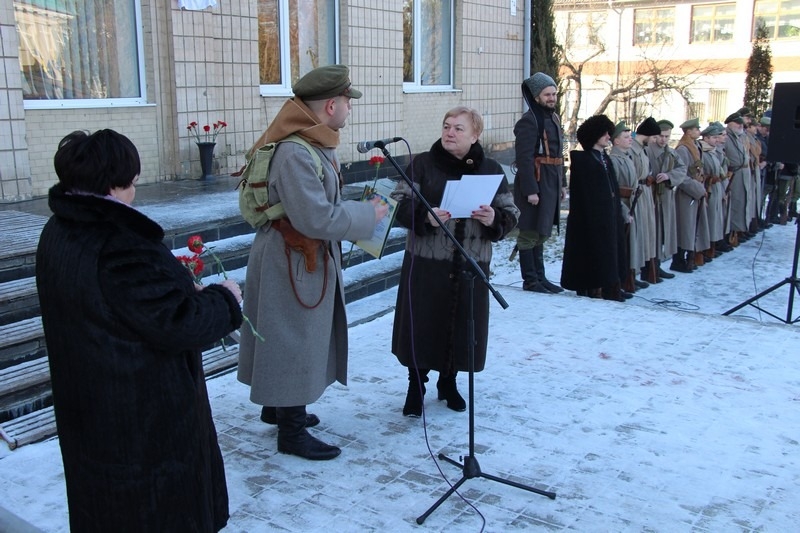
{"points": [[784, 130]]}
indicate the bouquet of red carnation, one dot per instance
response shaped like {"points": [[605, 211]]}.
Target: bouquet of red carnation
{"points": [[194, 264], [210, 132]]}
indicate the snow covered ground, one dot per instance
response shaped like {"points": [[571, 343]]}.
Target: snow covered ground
{"points": [[657, 414]]}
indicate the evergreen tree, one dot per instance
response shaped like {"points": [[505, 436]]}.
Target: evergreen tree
{"points": [[758, 83], [545, 50]]}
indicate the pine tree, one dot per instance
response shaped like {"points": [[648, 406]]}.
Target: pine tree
{"points": [[545, 50], [758, 83]]}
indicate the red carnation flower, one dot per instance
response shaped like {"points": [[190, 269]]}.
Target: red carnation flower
{"points": [[193, 263], [206, 128], [195, 244], [376, 160]]}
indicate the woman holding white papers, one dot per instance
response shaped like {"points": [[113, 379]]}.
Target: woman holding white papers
{"points": [[431, 316]]}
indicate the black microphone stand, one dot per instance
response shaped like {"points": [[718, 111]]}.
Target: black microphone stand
{"points": [[470, 468], [792, 281]]}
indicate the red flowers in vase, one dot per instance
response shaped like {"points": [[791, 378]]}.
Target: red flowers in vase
{"points": [[209, 132]]}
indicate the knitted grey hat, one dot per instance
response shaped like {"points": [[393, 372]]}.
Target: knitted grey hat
{"points": [[539, 82]]}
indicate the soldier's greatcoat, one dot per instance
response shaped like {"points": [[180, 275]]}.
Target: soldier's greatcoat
{"points": [[712, 169], [629, 185], [741, 191], [691, 207], [664, 160], [646, 226]]}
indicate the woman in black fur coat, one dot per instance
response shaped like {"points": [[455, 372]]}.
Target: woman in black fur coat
{"points": [[125, 323], [432, 314], [594, 245]]}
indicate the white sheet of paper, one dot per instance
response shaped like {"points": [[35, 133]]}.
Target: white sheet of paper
{"points": [[462, 197]]}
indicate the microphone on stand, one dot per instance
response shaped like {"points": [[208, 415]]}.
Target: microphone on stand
{"points": [[365, 146]]}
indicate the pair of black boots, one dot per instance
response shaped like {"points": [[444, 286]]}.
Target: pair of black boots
{"points": [[446, 387], [531, 265], [293, 438]]}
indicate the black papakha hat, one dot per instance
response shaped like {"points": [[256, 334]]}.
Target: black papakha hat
{"points": [[325, 82], [592, 129], [649, 126]]}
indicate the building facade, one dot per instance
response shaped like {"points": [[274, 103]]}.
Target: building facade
{"points": [[701, 48], [149, 68]]}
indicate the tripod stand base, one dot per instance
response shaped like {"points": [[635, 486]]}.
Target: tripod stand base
{"points": [[471, 469], [794, 283]]}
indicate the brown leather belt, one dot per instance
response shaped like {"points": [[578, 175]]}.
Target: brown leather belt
{"points": [[540, 160], [626, 192]]}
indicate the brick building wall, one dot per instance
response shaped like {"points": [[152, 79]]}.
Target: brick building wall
{"points": [[203, 66]]}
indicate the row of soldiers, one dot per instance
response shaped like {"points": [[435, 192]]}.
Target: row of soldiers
{"points": [[687, 204]]}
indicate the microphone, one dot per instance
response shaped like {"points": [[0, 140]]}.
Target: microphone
{"points": [[365, 146]]}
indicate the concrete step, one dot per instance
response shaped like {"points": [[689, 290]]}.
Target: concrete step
{"points": [[21, 341], [18, 300], [24, 373], [19, 236], [41, 423]]}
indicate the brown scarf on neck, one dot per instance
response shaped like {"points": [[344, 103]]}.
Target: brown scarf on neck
{"points": [[296, 117], [691, 146]]}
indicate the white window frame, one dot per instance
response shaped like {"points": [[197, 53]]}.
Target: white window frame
{"points": [[87, 103], [415, 86], [284, 89], [653, 23]]}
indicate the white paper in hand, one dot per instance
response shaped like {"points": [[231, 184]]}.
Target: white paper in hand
{"points": [[462, 197]]}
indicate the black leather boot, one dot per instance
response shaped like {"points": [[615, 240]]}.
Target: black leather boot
{"points": [[269, 416], [723, 246], [295, 440], [661, 272], [448, 391], [538, 261], [679, 262], [416, 392], [530, 279]]}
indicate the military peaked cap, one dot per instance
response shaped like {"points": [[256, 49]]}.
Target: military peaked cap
{"points": [[715, 128], [619, 128], [734, 117], [691, 123], [325, 82]]}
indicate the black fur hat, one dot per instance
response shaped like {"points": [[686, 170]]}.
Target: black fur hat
{"points": [[592, 129], [649, 126]]}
